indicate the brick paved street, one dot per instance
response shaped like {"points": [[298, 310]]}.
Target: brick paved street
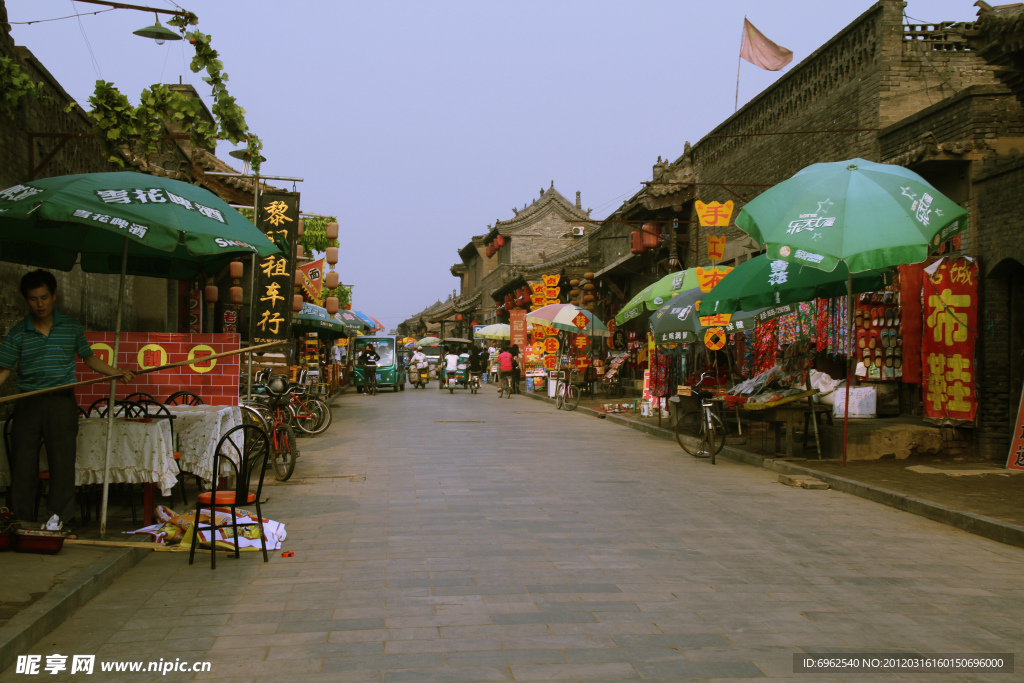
{"points": [[499, 540]]}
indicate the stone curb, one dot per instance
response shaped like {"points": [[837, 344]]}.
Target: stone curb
{"points": [[39, 619], [994, 529]]}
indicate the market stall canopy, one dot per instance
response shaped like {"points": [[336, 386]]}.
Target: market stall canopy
{"points": [[679, 322], [564, 317], [496, 331], [313, 318], [456, 340], [427, 341], [174, 230], [375, 325], [864, 214], [353, 322], [655, 295], [762, 282]]}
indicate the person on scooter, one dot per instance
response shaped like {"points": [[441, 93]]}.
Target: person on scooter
{"points": [[368, 359], [476, 364], [504, 367], [419, 364]]}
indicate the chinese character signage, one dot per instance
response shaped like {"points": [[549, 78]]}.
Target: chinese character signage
{"points": [[715, 214], [313, 278], [947, 354], [275, 277], [716, 247], [1016, 459], [195, 310], [551, 280], [707, 278], [229, 325], [517, 327]]}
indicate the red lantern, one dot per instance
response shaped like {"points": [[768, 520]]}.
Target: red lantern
{"points": [[236, 295], [332, 255], [299, 279], [210, 294], [332, 231], [636, 242], [331, 304], [331, 279], [651, 234], [458, 317], [236, 268], [500, 241], [297, 303]]}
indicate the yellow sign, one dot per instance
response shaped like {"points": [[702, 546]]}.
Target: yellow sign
{"points": [[152, 355], [715, 214], [198, 352], [716, 320], [716, 247], [551, 280], [707, 278], [714, 338], [275, 213], [537, 288], [103, 352]]}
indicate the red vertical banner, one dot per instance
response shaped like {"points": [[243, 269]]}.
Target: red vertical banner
{"points": [[517, 327], [910, 305], [947, 344], [1016, 459]]}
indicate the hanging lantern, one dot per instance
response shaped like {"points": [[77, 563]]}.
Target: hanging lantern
{"points": [[301, 229], [589, 276], [332, 231], [332, 255], [236, 268], [458, 317], [299, 279], [331, 279], [588, 287], [474, 323], [236, 295], [574, 282], [299, 251], [574, 293], [210, 294], [501, 241], [331, 304], [297, 303], [588, 298]]}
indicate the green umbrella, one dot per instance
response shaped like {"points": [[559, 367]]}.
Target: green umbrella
{"points": [[661, 291], [865, 214], [353, 321], [316, 319], [427, 341], [679, 322], [173, 229], [762, 282], [127, 223]]}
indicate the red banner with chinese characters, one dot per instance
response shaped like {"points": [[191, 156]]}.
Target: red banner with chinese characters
{"points": [[947, 344], [517, 327], [1016, 459]]}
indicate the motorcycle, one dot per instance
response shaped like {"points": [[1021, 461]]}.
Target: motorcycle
{"points": [[421, 376]]}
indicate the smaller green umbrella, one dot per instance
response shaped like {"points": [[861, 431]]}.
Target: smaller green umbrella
{"points": [[316, 319], [496, 331], [655, 295], [354, 322], [427, 341], [679, 322], [762, 282]]}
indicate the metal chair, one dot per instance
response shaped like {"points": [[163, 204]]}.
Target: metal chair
{"points": [[184, 398], [252, 456], [124, 408]]}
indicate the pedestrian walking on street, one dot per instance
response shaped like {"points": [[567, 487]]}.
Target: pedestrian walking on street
{"points": [[43, 347], [515, 368]]}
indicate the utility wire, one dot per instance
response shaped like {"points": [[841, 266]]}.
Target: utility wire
{"points": [[92, 55], [70, 16]]}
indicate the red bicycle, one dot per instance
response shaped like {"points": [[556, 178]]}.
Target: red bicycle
{"points": [[282, 437]]}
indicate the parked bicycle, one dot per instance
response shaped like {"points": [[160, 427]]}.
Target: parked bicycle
{"points": [[567, 391], [506, 385], [700, 432]]}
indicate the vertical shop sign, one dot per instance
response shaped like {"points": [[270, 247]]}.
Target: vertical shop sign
{"points": [[275, 279], [951, 318], [517, 327], [229, 325], [1016, 459], [195, 310]]}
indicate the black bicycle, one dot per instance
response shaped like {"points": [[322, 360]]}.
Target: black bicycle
{"points": [[700, 432]]}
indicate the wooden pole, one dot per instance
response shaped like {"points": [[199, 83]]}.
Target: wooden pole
{"points": [[113, 391], [97, 380]]}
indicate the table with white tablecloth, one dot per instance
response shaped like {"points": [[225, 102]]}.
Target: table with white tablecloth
{"points": [[141, 452], [198, 430]]}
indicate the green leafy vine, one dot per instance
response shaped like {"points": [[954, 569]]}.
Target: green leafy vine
{"points": [[314, 234], [14, 85]]}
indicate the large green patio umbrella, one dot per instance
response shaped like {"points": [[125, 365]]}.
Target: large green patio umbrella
{"points": [[863, 214], [655, 295], [763, 282], [857, 212], [172, 229], [127, 223], [313, 318]]}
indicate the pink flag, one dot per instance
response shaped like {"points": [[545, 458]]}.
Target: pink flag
{"points": [[760, 51]]}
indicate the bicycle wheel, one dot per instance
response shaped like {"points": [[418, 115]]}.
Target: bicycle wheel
{"points": [[286, 449], [690, 434], [326, 416], [252, 416], [572, 397], [304, 417], [559, 395], [508, 387]]}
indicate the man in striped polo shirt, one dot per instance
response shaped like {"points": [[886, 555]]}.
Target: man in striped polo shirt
{"points": [[43, 348]]}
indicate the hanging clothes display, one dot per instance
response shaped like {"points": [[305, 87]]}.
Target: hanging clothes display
{"points": [[659, 364], [766, 345], [821, 327]]}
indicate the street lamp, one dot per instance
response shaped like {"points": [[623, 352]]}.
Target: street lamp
{"points": [[157, 33]]}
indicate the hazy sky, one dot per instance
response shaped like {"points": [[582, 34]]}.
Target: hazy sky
{"points": [[418, 123]]}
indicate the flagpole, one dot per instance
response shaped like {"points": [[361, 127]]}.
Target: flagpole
{"points": [[739, 63]]}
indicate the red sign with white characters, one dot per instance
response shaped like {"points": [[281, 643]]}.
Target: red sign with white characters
{"points": [[947, 353], [517, 327]]}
